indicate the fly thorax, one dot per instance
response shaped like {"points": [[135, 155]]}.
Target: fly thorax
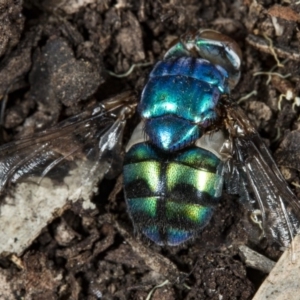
{"points": [[179, 98]]}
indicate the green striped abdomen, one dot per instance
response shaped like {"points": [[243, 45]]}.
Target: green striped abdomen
{"points": [[171, 197]]}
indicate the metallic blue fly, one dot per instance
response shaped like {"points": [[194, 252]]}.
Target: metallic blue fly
{"points": [[192, 139], [172, 183]]}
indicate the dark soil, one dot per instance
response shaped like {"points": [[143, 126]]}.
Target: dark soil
{"points": [[54, 61]]}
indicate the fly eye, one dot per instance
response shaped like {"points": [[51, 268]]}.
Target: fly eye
{"points": [[219, 40], [218, 49]]}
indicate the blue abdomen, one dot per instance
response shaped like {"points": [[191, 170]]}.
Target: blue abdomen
{"points": [[171, 197], [181, 96]]}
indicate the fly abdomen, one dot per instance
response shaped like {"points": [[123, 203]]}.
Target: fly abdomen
{"points": [[170, 198]]}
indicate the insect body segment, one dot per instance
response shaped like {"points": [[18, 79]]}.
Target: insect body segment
{"points": [[180, 96], [171, 196], [213, 46]]}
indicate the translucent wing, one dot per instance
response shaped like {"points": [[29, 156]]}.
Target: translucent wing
{"points": [[40, 174], [253, 169]]}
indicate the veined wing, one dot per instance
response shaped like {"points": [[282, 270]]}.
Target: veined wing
{"points": [[252, 168], [41, 173]]}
